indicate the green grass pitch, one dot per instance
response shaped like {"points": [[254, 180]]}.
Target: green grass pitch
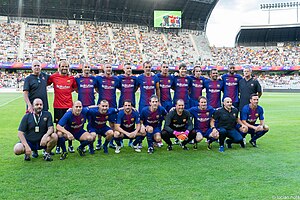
{"points": [[267, 172]]}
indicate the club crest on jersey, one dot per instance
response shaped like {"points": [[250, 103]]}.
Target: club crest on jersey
{"points": [[235, 79], [132, 119], [106, 117], [256, 114], [207, 113], [184, 120], [169, 81], [112, 82], [218, 85], [152, 82], [43, 78], [68, 81], [81, 80], [82, 119], [157, 116], [91, 80], [252, 84], [186, 80], [234, 114], [131, 80], [174, 120], [45, 118]]}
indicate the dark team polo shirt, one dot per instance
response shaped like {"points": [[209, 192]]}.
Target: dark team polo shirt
{"points": [[226, 119], [28, 124], [175, 122], [37, 88], [246, 88]]}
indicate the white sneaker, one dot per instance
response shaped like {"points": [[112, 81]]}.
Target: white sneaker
{"points": [[137, 149], [118, 149], [160, 144]]}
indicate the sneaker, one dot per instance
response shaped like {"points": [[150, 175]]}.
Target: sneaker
{"points": [[91, 150], [35, 154], [27, 157], [221, 149], [98, 147], [63, 155], [195, 146], [185, 147], [192, 142], [244, 141], [51, 153], [57, 151], [253, 143], [130, 142], [137, 149], [170, 148], [105, 149], [71, 149], [176, 141], [118, 149], [80, 151], [113, 146], [242, 144], [47, 157], [160, 144], [140, 145], [209, 144], [229, 144], [150, 150]]}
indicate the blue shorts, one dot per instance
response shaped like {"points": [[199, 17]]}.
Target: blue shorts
{"points": [[79, 134], [156, 130], [204, 134], [167, 105], [35, 145], [102, 131]]}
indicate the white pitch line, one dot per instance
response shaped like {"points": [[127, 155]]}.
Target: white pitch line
{"points": [[10, 101]]}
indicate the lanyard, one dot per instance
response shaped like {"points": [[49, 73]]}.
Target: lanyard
{"points": [[35, 120]]}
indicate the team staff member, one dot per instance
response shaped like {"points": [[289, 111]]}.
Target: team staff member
{"points": [[36, 132], [63, 85], [151, 120], [35, 86], [249, 115], [178, 123], [231, 85], [70, 126], [248, 86], [128, 127], [202, 115], [227, 119]]}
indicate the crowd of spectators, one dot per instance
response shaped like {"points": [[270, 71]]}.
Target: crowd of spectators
{"points": [[280, 81], [9, 41]]}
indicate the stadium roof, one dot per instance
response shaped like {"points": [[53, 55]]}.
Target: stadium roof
{"points": [[195, 12], [269, 35]]}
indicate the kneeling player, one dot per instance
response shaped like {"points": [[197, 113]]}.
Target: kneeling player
{"points": [[98, 117], [151, 120], [202, 115], [36, 132], [128, 127], [71, 126], [249, 115], [178, 124]]}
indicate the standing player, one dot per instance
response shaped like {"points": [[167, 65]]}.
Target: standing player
{"points": [[197, 85], [202, 115], [248, 86], [178, 123], [214, 87], [231, 85], [63, 85], [227, 120], [36, 132], [127, 85], [148, 84], [35, 86], [249, 115], [71, 125], [128, 127], [86, 84], [165, 84], [181, 86], [98, 117], [151, 120]]}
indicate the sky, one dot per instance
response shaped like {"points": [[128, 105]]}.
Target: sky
{"points": [[229, 15]]}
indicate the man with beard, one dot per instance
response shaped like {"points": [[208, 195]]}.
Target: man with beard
{"points": [[165, 84], [63, 85], [214, 87], [35, 86], [249, 115], [71, 125], [231, 85], [248, 86], [227, 123], [151, 120], [178, 124], [128, 127], [202, 115], [36, 132]]}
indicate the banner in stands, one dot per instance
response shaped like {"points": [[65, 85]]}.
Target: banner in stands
{"points": [[19, 65]]}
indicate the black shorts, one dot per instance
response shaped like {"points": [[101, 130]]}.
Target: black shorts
{"points": [[59, 113]]}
